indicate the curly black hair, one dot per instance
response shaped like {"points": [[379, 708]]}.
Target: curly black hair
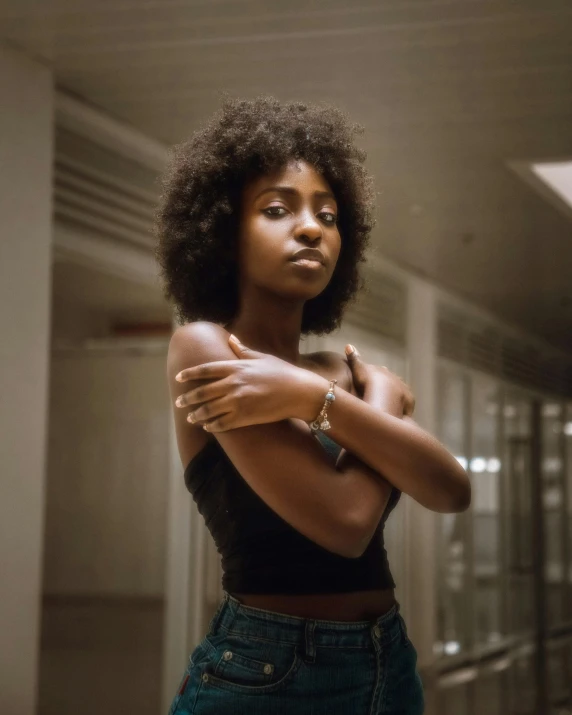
{"points": [[197, 220]]}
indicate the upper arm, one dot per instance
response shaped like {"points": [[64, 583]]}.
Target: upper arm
{"points": [[280, 461]]}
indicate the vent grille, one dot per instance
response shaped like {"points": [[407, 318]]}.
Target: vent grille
{"points": [[452, 339], [381, 306], [101, 192], [483, 343], [479, 345], [520, 362]]}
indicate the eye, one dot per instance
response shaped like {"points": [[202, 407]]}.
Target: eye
{"points": [[275, 211], [328, 217]]}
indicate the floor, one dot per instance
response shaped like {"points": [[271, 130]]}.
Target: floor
{"points": [[100, 656]]}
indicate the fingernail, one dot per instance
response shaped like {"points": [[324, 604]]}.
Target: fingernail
{"points": [[350, 349], [179, 377], [233, 337]]}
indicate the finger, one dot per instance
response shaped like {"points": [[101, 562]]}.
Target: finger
{"points": [[209, 411], [205, 393], [351, 351], [226, 422], [241, 350], [411, 406], [207, 371]]}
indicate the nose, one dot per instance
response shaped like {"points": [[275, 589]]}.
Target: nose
{"points": [[308, 227]]}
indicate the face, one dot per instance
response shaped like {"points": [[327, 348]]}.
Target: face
{"points": [[284, 213]]}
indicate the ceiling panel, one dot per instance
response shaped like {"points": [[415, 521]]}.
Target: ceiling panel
{"points": [[449, 91]]}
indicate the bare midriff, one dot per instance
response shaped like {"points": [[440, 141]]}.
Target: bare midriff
{"points": [[354, 606]]}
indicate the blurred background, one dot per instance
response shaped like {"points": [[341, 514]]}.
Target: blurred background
{"points": [[108, 577]]}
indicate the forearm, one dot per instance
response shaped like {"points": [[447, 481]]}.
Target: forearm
{"points": [[405, 455], [349, 462]]}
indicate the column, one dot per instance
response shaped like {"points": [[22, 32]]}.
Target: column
{"points": [[26, 129], [420, 528]]}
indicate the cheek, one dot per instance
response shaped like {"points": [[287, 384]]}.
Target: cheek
{"points": [[336, 244], [261, 244]]}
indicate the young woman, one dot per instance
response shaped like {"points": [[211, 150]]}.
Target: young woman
{"points": [[294, 460]]}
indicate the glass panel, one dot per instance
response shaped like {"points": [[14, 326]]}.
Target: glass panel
{"points": [[455, 700], [485, 468], [517, 414], [452, 549], [568, 485], [523, 684], [558, 678], [553, 504], [489, 691]]}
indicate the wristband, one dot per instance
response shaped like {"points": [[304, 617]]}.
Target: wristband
{"points": [[321, 421]]}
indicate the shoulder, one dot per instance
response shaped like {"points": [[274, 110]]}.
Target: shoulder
{"points": [[192, 344], [197, 342], [201, 331], [333, 365]]}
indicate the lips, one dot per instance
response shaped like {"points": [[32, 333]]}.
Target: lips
{"points": [[311, 254]]}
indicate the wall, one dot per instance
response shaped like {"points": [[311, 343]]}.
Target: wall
{"points": [[25, 272], [107, 474]]}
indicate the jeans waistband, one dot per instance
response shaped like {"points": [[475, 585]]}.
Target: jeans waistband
{"points": [[238, 619]]}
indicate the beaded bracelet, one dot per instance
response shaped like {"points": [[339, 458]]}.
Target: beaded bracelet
{"points": [[321, 421]]}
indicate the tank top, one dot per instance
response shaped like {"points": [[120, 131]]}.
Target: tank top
{"points": [[261, 552]]}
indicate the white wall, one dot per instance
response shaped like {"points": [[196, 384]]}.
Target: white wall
{"points": [[108, 473], [26, 96]]}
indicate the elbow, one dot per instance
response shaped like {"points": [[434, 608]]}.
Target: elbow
{"points": [[459, 499]]}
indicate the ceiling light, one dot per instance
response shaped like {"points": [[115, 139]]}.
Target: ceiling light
{"points": [[558, 176]]}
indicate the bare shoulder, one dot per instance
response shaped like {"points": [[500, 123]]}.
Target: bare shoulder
{"points": [[201, 334], [333, 366], [193, 344]]}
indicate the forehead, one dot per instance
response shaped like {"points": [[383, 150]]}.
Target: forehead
{"points": [[297, 174]]}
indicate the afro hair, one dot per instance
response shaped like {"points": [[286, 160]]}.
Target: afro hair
{"points": [[197, 220]]}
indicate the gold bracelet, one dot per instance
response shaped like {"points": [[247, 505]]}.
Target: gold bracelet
{"points": [[321, 421]]}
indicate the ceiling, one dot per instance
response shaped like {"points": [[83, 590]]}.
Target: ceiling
{"points": [[449, 92]]}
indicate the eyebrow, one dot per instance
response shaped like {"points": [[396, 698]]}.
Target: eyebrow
{"points": [[294, 192]]}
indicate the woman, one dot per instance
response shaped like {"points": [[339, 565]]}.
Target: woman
{"points": [[294, 460]]}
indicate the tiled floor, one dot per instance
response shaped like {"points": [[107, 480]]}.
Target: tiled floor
{"points": [[100, 657]]}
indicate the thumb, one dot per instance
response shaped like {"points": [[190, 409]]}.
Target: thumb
{"points": [[241, 350], [351, 353]]}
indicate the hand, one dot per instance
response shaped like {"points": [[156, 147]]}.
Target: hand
{"points": [[256, 388], [380, 387]]}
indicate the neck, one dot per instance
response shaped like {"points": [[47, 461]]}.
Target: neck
{"points": [[270, 325]]}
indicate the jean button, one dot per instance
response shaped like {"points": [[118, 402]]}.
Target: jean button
{"points": [[377, 632], [268, 668], [227, 655]]}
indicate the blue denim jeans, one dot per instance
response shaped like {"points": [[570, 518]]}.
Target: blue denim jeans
{"points": [[257, 662]]}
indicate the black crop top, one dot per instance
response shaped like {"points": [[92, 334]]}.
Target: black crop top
{"points": [[261, 552]]}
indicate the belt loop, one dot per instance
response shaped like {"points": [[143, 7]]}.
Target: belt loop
{"points": [[310, 645], [218, 614]]}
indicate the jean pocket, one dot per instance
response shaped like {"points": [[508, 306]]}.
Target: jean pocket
{"points": [[246, 665]]}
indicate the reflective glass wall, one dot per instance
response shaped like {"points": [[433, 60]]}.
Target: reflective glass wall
{"points": [[454, 536], [490, 582]]}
